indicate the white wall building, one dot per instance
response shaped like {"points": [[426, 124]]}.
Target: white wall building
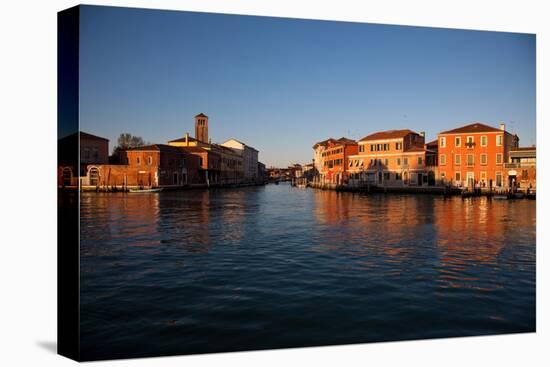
{"points": [[250, 158]]}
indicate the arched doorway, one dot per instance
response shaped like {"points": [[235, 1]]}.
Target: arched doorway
{"points": [[67, 176], [93, 176]]}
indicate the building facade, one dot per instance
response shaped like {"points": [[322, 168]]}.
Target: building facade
{"points": [[155, 165], [249, 157], [521, 169], [393, 158], [474, 155], [334, 157]]}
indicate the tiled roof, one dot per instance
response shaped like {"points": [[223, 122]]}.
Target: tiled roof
{"points": [[346, 140], [415, 149], [476, 127], [388, 134], [323, 143], [522, 149], [90, 136], [196, 150], [159, 147], [189, 138]]}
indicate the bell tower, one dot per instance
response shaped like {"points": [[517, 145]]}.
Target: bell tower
{"points": [[201, 127]]}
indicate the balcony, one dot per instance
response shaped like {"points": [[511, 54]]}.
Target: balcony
{"points": [[520, 165]]}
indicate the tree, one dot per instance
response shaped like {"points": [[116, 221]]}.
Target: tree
{"points": [[126, 141]]}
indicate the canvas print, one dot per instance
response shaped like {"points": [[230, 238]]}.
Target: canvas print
{"points": [[234, 183]]}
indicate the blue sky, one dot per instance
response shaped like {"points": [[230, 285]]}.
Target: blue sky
{"points": [[280, 85]]}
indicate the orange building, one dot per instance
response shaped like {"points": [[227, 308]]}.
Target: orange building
{"points": [[393, 158], [334, 158], [474, 155]]}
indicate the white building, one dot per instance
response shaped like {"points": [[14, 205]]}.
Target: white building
{"points": [[250, 158]]}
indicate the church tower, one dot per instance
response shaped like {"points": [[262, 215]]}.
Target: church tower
{"points": [[201, 127]]}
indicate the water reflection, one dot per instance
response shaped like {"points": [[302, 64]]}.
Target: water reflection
{"points": [[267, 267]]}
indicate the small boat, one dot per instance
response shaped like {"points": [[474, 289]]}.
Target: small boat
{"points": [[519, 195], [146, 190], [500, 197]]}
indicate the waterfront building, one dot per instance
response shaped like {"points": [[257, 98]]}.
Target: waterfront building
{"points": [[249, 158], [231, 167], [92, 149], [262, 176], [393, 158], [155, 165], [474, 155], [318, 150], [521, 169], [334, 158]]}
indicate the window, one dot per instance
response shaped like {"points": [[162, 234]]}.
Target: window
{"points": [[361, 148], [483, 159], [483, 176], [442, 142], [469, 142], [470, 159], [351, 163], [457, 159], [484, 141], [386, 162], [138, 161], [398, 176], [442, 175], [457, 176], [149, 160], [499, 158], [457, 141], [398, 161], [419, 161], [398, 146], [405, 161], [442, 159], [499, 140], [372, 147], [386, 176], [499, 179]]}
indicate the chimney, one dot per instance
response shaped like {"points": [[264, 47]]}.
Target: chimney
{"points": [[187, 139], [502, 126]]}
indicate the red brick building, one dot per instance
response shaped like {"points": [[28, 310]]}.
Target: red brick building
{"points": [[156, 165], [475, 154], [93, 150]]}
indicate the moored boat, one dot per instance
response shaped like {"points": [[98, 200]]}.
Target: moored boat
{"points": [[159, 189]]}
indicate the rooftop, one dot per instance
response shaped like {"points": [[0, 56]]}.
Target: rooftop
{"points": [[476, 127], [388, 134]]}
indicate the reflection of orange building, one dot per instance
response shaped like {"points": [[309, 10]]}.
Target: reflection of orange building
{"points": [[393, 158], [475, 154], [334, 157]]}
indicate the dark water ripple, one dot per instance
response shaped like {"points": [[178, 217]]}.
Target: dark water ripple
{"points": [[268, 267]]}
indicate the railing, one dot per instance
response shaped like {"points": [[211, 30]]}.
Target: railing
{"points": [[519, 165]]}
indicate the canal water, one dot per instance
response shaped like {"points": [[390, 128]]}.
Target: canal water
{"points": [[275, 266]]}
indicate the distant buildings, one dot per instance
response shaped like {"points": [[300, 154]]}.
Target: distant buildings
{"points": [[183, 162], [249, 157]]}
